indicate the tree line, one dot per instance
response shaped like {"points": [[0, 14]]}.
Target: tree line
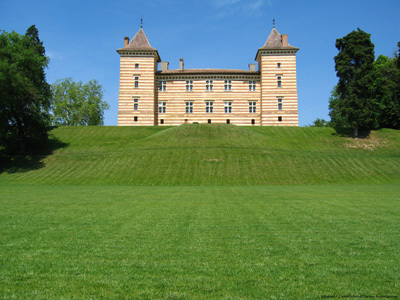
{"points": [[29, 106], [367, 95]]}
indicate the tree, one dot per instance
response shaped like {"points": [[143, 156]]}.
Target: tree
{"points": [[339, 123], [320, 123], [75, 103], [397, 88], [386, 86], [24, 92], [397, 55], [354, 67]]}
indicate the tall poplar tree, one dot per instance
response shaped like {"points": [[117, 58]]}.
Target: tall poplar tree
{"points": [[354, 67]]}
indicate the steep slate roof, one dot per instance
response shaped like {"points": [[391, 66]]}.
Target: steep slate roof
{"points": [[274, 42], [139, 43]]}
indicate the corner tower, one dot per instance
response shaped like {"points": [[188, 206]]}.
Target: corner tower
{"points": [[138, 64], [277, 66]]}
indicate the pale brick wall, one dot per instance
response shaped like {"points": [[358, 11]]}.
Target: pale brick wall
{"points": [[176, 97], [145, 93]]}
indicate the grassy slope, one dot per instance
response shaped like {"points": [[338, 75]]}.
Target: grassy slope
{"points": [[78, 225], [214, 155]]}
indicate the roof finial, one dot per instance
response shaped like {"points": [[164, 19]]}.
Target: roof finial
{"points": [[141, 22], [273, 23]]}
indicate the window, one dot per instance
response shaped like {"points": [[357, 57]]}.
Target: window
{"points": [[252, 107], [278, 65], [162, 121], [279, 79], [253, 121], [228, 107], [136, 81], [162, 107], [163, 86], [252, 85], [228, 85], [189, 107], [209, 85], [136, 66], [135, 119], [279, 119], [209, 121], [279, 103], [135, 104], [189, 85], [209, 107], [228, 121]]}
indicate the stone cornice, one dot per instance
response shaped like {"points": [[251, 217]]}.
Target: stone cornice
{"points": [[131, 53], [207, 76], [277, 52]]}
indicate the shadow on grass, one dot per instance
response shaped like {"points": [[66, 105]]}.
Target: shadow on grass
{"points": [[27, 162], [349, 133]]}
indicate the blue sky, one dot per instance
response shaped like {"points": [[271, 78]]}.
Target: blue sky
{"points": [[81, 36]]}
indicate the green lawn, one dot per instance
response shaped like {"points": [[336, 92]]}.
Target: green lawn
{"points": [[298, 242], [202, 212]]}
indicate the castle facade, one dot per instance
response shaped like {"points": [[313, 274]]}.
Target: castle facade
{"points": [[265, 94]]}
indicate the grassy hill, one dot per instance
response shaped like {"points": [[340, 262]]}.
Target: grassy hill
{"points": [[209, 155], [238, 213]]}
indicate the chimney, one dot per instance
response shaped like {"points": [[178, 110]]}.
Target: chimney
{"points": [[284, 40], [181, 64], [164, 66], [126, 41], [252, 67]]}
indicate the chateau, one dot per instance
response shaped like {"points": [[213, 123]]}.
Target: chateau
{"points": [[265, 94]]}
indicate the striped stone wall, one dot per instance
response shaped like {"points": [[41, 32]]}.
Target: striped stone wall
{"points": [[175, 96], [272, 115], [143, 67]]}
